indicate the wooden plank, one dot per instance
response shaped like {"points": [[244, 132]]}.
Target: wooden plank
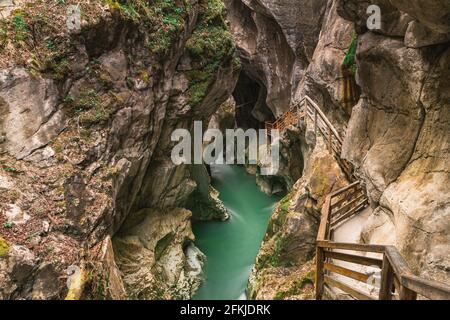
{"points": [[335, 223], [350, 186], [322, 115], [430, 289], [334, 151], [397, 262], [352, 246], [319, 273], [361, 260], [344, 198], [329, 140], [353, 292], [406, 293], [348, 205], [346, 272], [387, 279], [396, 284], [315, 123], [321, 234], [411, 284]]}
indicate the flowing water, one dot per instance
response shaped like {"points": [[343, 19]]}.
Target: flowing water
{"points": [[231, 247]]}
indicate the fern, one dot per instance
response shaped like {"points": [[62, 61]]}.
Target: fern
{"points": [[350, 57]]}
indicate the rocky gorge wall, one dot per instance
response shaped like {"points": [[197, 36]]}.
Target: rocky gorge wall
{"points": [[86, 118], [87, 186], [396, 129]]}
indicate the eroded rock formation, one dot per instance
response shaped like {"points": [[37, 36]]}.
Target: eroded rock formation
{"points": [[86, 118], [396, 135]]}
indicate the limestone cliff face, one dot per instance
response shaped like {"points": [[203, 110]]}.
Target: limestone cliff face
{"points": [[395, 123], [275, 41], [85, 124], [398, 135], [283, 268]]}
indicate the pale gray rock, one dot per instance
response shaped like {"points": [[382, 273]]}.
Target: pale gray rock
{"points": [[397, 138], [28, 111], [275, 41], [417, 36], [15, 269], [433, 14], [152, 256]]}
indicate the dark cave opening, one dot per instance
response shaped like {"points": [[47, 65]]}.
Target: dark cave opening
{"points": [[251, 108]]}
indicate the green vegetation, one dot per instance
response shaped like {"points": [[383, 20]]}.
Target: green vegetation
{"points": [[59, 66], [278, 219], [91, 107], [8, 225], [272, 258], [20, 26], [163, 20], [209, 46], [296, 287], [95, 282], [41, 44], [285, 203], [199, 82], [350, 57], [32, 37], [38, 38], [87, 100], [10, 169]]}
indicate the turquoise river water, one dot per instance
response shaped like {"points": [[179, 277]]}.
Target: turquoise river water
{"points": [[231, 247]]}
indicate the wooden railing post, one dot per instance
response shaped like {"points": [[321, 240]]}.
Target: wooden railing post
{"points": [[387, 280], [315, 122], [319, 272], [330, 141], [406, 294]]}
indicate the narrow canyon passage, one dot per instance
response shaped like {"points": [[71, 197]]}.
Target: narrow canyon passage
{"points": [[231, 247]]}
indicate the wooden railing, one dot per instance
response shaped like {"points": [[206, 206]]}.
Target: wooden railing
{"points": [[395, 280], [340, 206], [287, 119], [307, 107]]}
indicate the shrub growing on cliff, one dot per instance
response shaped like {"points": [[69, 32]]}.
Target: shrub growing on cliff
{"points": [[20, 26], [350, 57], [210, 45], [161, 20], [298, 286]]}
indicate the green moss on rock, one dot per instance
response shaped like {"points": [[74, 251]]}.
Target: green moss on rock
{"points": [[162, 20], [209, 46], [297, 286]]}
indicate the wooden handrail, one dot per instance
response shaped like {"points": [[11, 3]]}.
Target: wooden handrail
{"points": [[429, 289], [306, 107], [324, 117], [395, 272], [351, 246], [341, 191], [394, 269], [325, 218]]}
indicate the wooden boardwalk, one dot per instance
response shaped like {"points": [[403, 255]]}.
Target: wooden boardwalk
{"points": [[396, 280], [308, 108]]}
